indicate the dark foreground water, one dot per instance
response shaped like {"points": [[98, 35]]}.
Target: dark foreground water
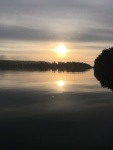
{"points": [[41, 110]]}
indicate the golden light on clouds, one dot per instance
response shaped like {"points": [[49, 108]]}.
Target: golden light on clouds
{"points": [[61, 50], [60, 83]]}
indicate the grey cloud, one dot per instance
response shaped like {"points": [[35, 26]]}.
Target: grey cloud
{"points": [[96, 35], [41, 34], [92, 35], [92, 19], [23, 33], [79, 11], [59, 8]]}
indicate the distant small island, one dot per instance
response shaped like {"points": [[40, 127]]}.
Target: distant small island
{"points": [[44, 66]]}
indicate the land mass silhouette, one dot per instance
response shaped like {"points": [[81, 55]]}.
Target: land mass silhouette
{"points": [[44, 66], [103, 68]]}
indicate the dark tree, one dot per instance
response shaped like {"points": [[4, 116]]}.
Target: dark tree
{"points": [[103, 68]]}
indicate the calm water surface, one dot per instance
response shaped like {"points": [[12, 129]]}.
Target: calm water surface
{"points": [[47, 109]]}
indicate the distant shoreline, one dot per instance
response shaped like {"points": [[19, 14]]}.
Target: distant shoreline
{"points": [[44, 66]]}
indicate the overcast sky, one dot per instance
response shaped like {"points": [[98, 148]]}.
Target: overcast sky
{"points": [[29, 29]]}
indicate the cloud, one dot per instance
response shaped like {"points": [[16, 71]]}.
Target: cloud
{"points": [[51, 9], [61, 20], [29, 34], [23, 33], [93, 35]]}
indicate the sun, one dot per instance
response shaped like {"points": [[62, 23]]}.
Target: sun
{"points": [[61, 50]]}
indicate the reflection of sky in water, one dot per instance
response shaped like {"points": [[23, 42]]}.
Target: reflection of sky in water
{"points": [[53, 108], [50, 82]]}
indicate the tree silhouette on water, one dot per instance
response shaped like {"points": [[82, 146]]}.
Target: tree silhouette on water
{"points": [[103, 68], [44, 66]]}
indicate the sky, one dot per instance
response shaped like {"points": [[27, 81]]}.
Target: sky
{"points": [[32, 29]]}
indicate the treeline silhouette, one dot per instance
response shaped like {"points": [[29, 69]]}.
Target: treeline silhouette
{"points": [[103, 68], [105, 59], [44, 66]]}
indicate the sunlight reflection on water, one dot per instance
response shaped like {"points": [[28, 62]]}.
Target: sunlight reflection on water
{"points": [[55, 108], [60, 83], [46, 81]]}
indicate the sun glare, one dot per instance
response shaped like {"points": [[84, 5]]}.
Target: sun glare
{"points": [[60, 83], [61, 50]]}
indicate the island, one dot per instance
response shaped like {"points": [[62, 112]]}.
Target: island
{"points": [[44, 66]]}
